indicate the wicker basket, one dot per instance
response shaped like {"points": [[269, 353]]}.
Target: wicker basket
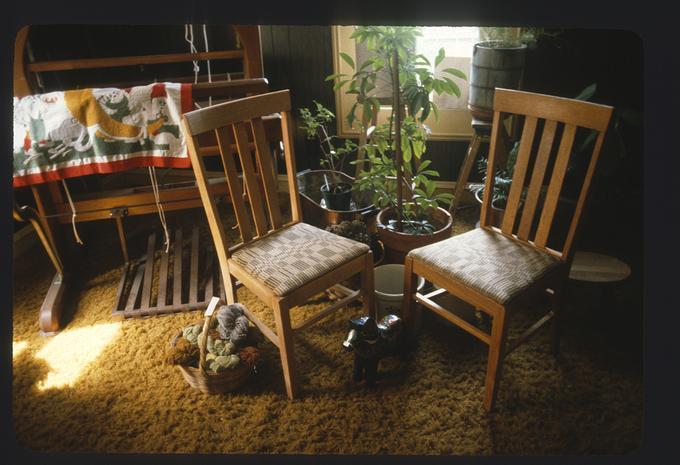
{"points": [[213, 382]]}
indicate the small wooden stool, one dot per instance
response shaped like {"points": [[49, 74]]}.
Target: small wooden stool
{"points": [[600, 269]]}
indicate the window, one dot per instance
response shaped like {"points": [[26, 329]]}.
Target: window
{"points": [[454, 118]]}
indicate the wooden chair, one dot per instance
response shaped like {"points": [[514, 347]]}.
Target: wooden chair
{"points": [[496, 270], [283, 264]]}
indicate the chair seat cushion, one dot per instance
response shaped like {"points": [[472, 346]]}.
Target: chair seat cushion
{"points": [[295, 256], [488, 262]]}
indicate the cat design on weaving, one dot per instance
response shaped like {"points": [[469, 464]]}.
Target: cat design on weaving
{"points": [[74, 133]]}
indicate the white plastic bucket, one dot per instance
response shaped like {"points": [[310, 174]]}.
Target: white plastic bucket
{"points": [[389, 288]]}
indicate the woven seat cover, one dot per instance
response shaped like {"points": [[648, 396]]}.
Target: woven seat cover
{"points": [[295, 256], [488, 262]]}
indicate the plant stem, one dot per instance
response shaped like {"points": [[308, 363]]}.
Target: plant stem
{"points": [[328, 155], [396, 108]]}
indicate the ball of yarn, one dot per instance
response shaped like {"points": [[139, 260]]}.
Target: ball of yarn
{"points": [[222, 363], [232, 323], [182, 353], [249, 355], [220, 346], [191, 333]]}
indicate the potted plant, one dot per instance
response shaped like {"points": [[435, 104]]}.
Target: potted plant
{"points": [[398, 178], [501, 185], [336, 192]]}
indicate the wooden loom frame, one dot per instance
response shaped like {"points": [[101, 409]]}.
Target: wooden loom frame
{"points": [[52, 209]]}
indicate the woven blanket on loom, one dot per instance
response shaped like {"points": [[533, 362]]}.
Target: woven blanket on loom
{"points": [[75, 133]]}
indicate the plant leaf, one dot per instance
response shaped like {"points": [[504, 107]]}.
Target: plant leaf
{"points": [[440, 57], [339, 84], [455, 72], [453, 87], [334, 76], [347, 58], [586, 93]]}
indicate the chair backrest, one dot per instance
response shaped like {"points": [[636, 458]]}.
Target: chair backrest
{"points": [[238, 128], [547, 139]]}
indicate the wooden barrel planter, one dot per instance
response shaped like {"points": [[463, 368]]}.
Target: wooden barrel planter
{"points": [[398, 244], [494, 64]]}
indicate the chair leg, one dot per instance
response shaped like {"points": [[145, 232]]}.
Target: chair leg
{"points": [[409, 309], [230, 291], [286, 348], [368, 288], [495, 362], [555, 327]]}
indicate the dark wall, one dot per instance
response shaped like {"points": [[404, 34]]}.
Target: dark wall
{"points": [[299, 58]]}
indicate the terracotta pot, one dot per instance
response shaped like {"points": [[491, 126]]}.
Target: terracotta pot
{"points": [[398, 244]]}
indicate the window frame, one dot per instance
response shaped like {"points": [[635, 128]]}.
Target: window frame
{"points": [[452, 124]]}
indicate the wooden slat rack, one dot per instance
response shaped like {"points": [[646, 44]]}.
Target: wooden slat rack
{"points": [[184, 279]]}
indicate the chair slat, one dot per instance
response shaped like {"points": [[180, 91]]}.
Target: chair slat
{"points": [[266, 168], [224, 139], [495, 147], [556, 180], [287, 132], [537, 176], [250, 179], [521, 165]]}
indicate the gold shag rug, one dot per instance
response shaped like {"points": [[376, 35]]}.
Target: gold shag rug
{"points": [[101, 385]]}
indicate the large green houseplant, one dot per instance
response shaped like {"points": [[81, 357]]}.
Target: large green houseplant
{"points": [[398, 177]]}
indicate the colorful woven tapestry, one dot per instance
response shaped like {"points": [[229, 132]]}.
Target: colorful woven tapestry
{"points": [[79, 132]]}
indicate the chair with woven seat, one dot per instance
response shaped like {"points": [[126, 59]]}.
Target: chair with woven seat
{"points": [[282, 264], [499, 269]]}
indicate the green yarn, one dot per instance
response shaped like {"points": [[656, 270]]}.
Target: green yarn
{"points": [[191, 333], [220, 354], [220, 346], [222, 362]]}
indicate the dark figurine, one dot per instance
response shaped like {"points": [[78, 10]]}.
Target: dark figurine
{"points": [[371, 342]]}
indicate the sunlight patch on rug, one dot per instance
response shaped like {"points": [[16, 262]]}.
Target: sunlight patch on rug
{"points": [[71, 351], [18, 348]]}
